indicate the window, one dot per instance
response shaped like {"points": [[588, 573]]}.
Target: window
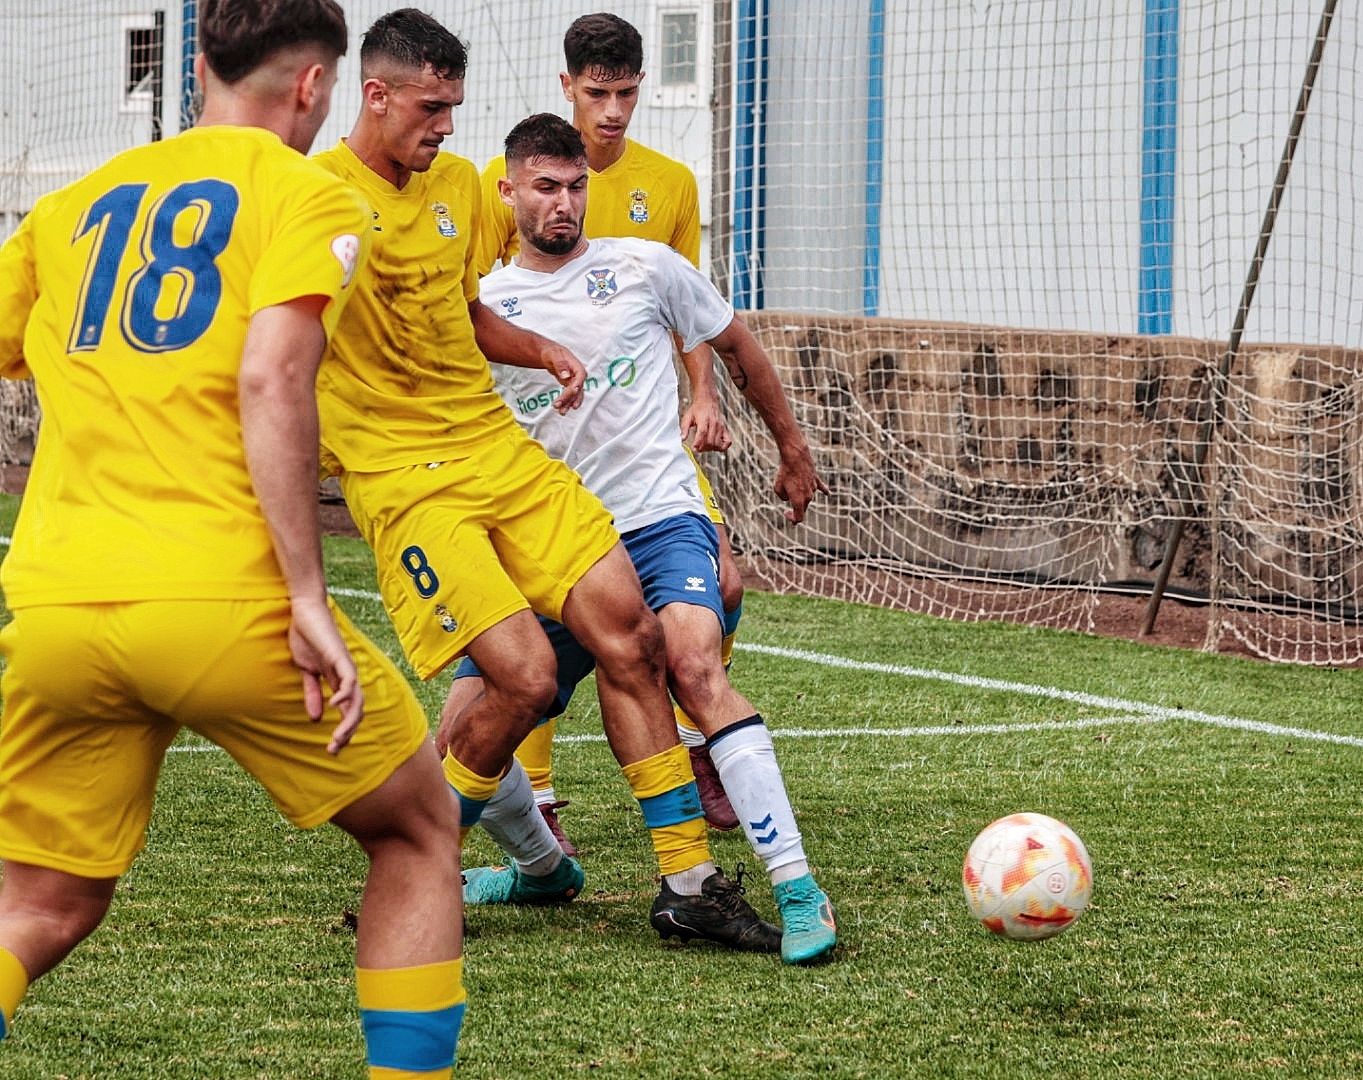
{"points": [[143, 52], [680, 44]]}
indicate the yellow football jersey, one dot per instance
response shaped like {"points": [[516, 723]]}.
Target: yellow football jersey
{"points": [[644, 194], [127, 295], [403, 382]]}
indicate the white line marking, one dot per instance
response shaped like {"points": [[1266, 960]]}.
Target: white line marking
{"points": [[1146, 710]]}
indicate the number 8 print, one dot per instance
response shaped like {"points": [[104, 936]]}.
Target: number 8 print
{"points": [[419, 570]]}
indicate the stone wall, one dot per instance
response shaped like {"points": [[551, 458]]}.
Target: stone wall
{"points": [[1058, 456]]}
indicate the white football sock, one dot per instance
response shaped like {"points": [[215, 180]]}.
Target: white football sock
{"points": [[747, 766], [512, 819]]}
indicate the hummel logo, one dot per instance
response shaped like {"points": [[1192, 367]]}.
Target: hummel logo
{"points": [[765, 823], [695, 584]]}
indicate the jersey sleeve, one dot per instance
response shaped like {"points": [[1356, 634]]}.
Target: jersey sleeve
{"points": [[689, 304], [686, 236], [18, 294], [497, 224], [318, 248]]}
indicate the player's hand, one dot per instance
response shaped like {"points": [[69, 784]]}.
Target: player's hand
{"points": [[568, 370], [321, 655], [797, 482], [703, 425]]}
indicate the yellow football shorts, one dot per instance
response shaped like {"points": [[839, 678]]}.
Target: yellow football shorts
{"points": [[461, 545], [94, 694], [706, 491]]}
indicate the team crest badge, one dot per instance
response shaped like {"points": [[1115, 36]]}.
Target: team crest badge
{"points": [[601, 284], [446, 620], [443, 221], [638, 206]]}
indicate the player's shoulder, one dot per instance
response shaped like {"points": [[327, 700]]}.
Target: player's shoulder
{"points": [[495, 169], [651, 255], [453, 169], [646, 158]]}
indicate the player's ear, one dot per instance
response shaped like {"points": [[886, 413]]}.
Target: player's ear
{"points": [[566, 81], [375, 94], [504, 190], [307, 84]]}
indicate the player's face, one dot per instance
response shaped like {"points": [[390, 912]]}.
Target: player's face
{"points": [[549, 196], [602, 107], [418, 112]]}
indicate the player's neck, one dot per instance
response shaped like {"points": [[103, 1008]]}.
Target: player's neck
{"points": [[601, 158], [532, 258], [371, 154]]}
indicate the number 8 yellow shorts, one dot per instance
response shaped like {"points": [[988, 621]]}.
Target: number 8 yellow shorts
{"points": [[94, 695], [461, 545]]}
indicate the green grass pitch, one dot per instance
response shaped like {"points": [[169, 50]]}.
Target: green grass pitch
{"points": [[1218, 798]]}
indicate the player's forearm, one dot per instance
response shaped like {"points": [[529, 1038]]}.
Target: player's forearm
{"points": [[278, 404], [756, 379], [700, 372], [503, 342]]}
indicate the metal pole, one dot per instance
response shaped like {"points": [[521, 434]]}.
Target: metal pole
{"points": [[1216, 389]]}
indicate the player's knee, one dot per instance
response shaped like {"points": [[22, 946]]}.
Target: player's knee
{"points": [[636, 645], [696, 680], [526, 698]]}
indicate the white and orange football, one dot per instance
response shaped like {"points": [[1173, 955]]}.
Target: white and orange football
{"points": [[1027, 877]]}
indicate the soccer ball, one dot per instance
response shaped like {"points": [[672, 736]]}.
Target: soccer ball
{"points": [[1027, 877]]}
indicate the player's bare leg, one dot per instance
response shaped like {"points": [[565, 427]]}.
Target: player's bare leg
{"points": [[742, 750]]}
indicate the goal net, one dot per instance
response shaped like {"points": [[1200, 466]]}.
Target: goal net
{"points": [[997, 250]]}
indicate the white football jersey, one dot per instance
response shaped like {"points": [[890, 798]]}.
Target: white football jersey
{"points": [[615, 306]]}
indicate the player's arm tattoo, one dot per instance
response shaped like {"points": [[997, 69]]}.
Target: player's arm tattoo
{"points": [[737, 372]]}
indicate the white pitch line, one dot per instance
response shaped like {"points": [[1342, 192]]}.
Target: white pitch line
{"points": [[1146, 710]]}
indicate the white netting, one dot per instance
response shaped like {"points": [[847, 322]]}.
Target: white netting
{"points": [[996, 247]]}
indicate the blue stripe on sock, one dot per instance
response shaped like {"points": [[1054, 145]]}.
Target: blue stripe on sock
{"points": [[731, 619], [470, 810], [412, 1041], [3, 1029], [671, 807]]}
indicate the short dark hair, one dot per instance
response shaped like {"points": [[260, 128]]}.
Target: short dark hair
{"points": [[544, 135], [602, 44], [413, 39], [237, 36]]}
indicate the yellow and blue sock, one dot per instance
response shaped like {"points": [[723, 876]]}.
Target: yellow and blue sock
{"points": [[666, 790], [411, 1019], [536, 755], [13, 986], [473, 790]]}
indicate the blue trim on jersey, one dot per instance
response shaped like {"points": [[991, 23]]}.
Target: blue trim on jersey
{"points": [[672, 807], [3, 1029], [412, 1041], [470, 810], [755, 720]]}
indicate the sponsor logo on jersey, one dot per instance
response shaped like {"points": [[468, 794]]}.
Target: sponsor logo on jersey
{"points": [[638, 206], [620, 372], [511, 308], [447, 622], [601, 286], [346, 248], [443, 221]]}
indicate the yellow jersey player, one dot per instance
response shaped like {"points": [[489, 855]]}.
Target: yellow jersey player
{"points": [[474, 528], [166, 570], [634, 192]]}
